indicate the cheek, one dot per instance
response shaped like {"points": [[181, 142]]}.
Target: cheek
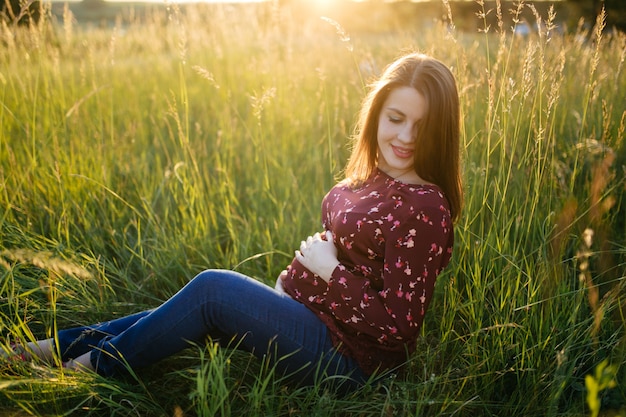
{"points": [[380, 132], [380, 127], [385, 130]]}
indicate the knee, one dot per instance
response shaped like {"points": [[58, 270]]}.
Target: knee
{"points": [[209, 277], [215, 281]]}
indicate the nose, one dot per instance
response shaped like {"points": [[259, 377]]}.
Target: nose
{"points": [[406, 134]]}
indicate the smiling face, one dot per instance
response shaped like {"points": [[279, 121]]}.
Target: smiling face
{"points": [[418, 94], [398, 123]]}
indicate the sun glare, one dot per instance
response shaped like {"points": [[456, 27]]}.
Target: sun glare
{"points": [[323, 3]]}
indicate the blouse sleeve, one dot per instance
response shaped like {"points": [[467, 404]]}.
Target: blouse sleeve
{"points": [[416, 251]]}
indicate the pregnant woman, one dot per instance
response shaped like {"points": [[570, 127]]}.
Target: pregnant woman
{"points": [[352, 301]]}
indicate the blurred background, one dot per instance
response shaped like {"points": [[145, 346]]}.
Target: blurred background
{"points": [[367, 15]]}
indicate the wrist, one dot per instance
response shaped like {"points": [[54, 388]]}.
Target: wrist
{"points": [[330, 269]]}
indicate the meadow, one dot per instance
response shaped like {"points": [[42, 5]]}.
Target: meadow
{"points": [[134, 156]]}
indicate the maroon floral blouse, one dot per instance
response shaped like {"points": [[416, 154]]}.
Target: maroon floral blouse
{"points": [[393, 239]]}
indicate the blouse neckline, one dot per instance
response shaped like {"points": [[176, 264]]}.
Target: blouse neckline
{"points": [[382, 173]]}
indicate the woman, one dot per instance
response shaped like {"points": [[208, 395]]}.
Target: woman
{"points": [[353, 299]]}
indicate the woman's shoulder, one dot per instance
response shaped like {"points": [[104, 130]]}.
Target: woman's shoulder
{"points": [[380, 188], [420, 194]]}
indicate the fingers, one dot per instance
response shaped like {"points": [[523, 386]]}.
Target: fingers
{"points": [[306, 244]]}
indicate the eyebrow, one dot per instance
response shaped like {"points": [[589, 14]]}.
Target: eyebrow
{"points": [[395, 110]]}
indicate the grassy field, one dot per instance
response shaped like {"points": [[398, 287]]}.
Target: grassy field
{"points": [[135, 156]]}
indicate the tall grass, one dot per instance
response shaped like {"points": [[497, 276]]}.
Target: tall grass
{"points": [[135, 156]]}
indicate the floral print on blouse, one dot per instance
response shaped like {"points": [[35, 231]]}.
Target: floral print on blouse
{"points": [[392, 239]]}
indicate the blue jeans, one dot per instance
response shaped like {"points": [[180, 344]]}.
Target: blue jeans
{"points": [[225, 306]]}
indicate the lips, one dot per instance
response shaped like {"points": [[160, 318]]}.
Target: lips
{"points": [[401, 152]]}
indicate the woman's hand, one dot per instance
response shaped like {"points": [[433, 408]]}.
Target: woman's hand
{"points": [[318, 255], [279, 283]]}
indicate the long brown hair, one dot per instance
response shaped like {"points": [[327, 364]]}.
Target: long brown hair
{"points": [[437, 143]]}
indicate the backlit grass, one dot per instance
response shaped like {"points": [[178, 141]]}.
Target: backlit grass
{"points": [[135, 156]]}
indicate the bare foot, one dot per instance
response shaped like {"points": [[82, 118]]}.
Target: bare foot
{"points": [[82, 363], [41, 349]]}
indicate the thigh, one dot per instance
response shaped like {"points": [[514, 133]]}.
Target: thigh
{"points": [[273, 325]]}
